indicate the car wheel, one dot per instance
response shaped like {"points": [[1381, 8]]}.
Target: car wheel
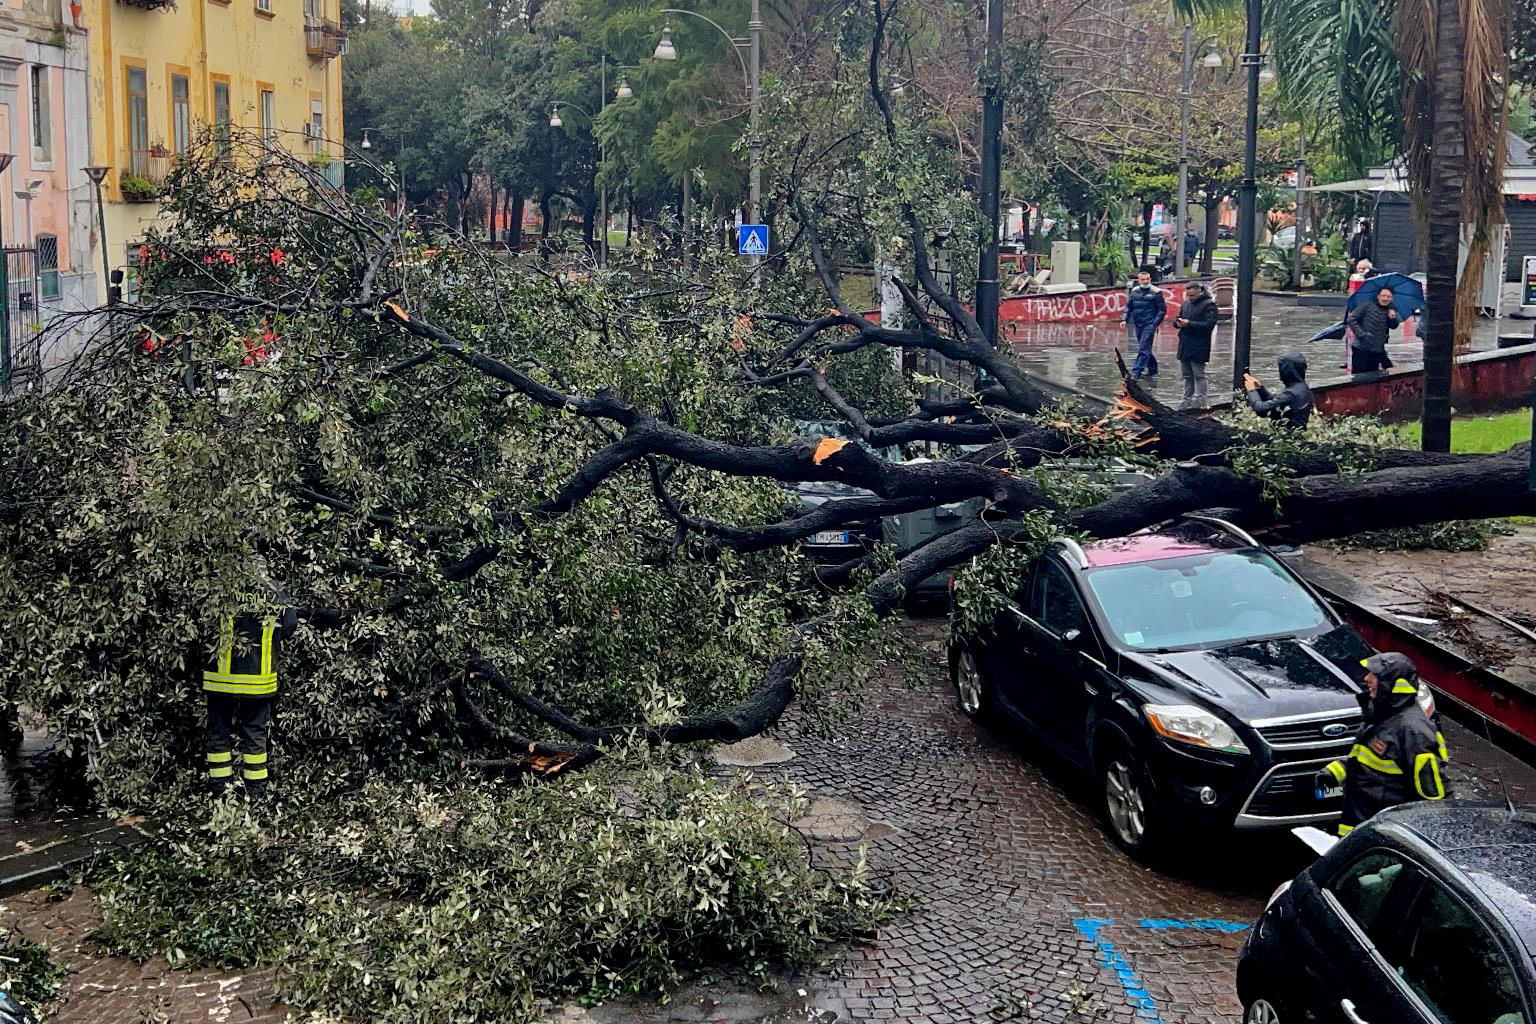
{"points": [[1130, 806], [971, 684], [1261, 1011]]}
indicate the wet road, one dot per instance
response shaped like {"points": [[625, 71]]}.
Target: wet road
{"points": [[1083, 355]]}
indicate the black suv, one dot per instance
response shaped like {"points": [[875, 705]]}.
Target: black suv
{"points": [[1426, 914], [1189, 668]]}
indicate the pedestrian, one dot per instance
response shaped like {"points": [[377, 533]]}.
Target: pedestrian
{"points": [[1167, 256], [1145, 310], [1196, 321], [1372, 323], [1398, 756], [1192, 245], [240, 687], [1360, 241], [1363, 271], [1293, 404]]}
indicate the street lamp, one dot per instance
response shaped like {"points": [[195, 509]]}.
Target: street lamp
{"points": [[97, 176], [1252, 61], [753, 44], [899, 87], [26, 195], [1211, 60], [5, 299], [623, 92], [367, 145], [555, 121]]}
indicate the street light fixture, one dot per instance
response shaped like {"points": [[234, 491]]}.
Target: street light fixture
{"points": [[367, 142], [899, 87], [554, 116], [1266, 74], [623, 92], [1212, 59], [664, 49], [753, 45], [97, 176], [367, 146]]}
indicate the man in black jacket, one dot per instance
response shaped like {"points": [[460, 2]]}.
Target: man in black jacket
{"points": [[1294, 403], [1399, 756], [1196, 321], [1372, 323], [240, 686]]}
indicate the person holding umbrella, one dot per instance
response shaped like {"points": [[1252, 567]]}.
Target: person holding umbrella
{"points": [[1372, 323]]}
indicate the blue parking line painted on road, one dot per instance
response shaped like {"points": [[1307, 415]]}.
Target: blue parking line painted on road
{"points": [[1092, 929], [1204, 924]]}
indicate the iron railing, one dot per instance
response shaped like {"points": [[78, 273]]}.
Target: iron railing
{"points": [[324, 38]]}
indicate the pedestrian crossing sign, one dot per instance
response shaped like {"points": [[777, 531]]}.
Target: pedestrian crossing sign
{"points": [[752, 240]]}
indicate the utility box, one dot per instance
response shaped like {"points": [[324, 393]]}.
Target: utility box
{"points": [[1528, 287], [1066, 262]]}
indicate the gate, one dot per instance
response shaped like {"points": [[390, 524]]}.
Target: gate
{"points": [[20, 345]]}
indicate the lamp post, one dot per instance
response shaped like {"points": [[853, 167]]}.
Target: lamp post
{"points": [[1247, 199], [367, 144], [991, 172], [26, 195], [5, 298], [752, 75], [1211, 60], [97, 176], [602, 195]]}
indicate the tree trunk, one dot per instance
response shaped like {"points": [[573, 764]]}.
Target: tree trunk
{"points": [[1212, 204], [544, 214], [1146, 231], [515, 203], [1441, 251]]}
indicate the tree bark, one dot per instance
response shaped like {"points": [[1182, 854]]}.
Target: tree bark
{"points": [[1146, 232], [516, 202], [1442, 248], [1212, 203]]}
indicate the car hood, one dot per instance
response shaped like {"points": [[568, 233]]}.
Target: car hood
{"points": [[1266, 678]]}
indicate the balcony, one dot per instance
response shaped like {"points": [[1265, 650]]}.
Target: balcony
{"points": [[328, 172], [324, 39], [141, 179]]}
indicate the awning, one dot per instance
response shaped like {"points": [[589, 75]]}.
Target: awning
{"points": [[1393, 184]]}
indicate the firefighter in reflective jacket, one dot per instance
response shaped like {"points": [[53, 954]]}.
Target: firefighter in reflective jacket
{"points": [[1399, 755], [240, 684]]}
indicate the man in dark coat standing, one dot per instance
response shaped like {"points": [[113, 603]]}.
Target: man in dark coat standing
{"points": [[1372, 323], [1294, 403], [1145, 310], [1192, 245], [1196, 321], [1360, 241]]}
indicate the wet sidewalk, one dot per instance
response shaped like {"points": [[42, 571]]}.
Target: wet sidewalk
{"points": [[1083, 355]]}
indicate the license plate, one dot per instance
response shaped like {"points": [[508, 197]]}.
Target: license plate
{"points": [[828, 537]]}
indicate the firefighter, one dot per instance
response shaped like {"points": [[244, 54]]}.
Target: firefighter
{"points": [[240, 685], [1399, 755]]}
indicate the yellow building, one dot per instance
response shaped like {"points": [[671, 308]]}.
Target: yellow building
{"points": [[160, 72]]}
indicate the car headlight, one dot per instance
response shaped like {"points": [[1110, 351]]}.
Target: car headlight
{"points": [[1197, 727]]}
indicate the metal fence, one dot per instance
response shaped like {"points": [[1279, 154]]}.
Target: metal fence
{"points": [[20, 347]]}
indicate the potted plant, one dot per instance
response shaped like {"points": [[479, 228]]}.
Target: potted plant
{"points": [[136, 188]]}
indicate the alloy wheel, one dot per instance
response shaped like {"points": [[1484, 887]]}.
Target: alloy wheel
{"points": [[1127, 807], [968, 682], [1261, 1011]]}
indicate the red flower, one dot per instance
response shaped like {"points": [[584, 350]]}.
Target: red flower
{"points": [[277, 257], [144, 254], [226, 256]]}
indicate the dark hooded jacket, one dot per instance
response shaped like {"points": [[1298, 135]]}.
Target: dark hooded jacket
{"points": [[1195, 336], [1399, 755], [1145, 306], [1294, 403], [1372, 324]]}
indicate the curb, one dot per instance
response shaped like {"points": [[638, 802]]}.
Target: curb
{"points": [[30, 867]]}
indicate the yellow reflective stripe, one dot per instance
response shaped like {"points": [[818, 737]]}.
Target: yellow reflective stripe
{"points": [[1405, 687], [221, 773], [226, 644], [240, 686], [254, 758], [1366, 756], [1445, 755], [267, 627], [220, 756], [1336, 769], [1364, 663], [1434, 775], [1345, 830], [239, 677], [254, 774]]}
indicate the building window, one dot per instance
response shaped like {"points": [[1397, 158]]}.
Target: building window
{"points": [[138, 121], [317, 127], [311, 10], [264, 6], [48, 265], [42, 130], [181, 115], [268, 119], [221, 116]]}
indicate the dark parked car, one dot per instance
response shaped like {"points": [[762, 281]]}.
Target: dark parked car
{"points": [[1198, 677], [1426, 914]]}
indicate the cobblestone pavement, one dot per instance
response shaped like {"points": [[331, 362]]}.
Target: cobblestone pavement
{"points": [[115, 990]]}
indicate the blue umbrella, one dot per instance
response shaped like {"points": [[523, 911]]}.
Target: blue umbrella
{"points": [[1407, 294], [1334, 333]]}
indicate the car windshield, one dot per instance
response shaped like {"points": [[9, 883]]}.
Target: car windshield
{"points": [[1207, 600]]}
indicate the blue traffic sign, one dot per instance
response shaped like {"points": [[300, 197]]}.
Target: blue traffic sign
{"points": [[752, 240]]}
